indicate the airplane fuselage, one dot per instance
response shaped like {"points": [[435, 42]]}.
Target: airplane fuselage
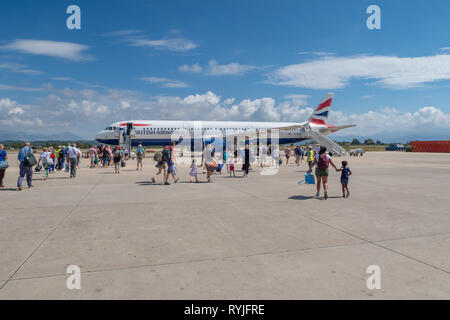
{"points": [[158, 132]]}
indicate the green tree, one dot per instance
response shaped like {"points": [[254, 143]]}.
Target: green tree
{"points": [[369, 142], [356, 142]]}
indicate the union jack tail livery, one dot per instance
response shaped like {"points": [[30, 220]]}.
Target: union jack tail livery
{"points": [[320, 115]]}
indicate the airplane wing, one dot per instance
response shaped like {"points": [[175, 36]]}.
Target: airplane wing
{"points": [[333, 129]]}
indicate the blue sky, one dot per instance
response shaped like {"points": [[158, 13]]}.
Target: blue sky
{"points": [[225, 60]]}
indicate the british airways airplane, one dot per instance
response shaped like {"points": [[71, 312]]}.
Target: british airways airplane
{"points": [[160, 132]]}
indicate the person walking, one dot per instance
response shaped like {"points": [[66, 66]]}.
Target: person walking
{"points": [[194, 171], [172, 165], [105, 157], [117, 154], [73, 158], [298, 155], [210, 162], [345, 174], [27, 161], [287, 153], [162, 167], [164, 164], [51, 168], [262, 155], [78, 151], [276, 155], [140, 155], [3, 164], [246, 165], [323, 162], [310, 157], [46, 160], [93, 154], [62, 158]]}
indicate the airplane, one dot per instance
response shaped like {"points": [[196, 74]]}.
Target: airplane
{"points": [[160, 132]]}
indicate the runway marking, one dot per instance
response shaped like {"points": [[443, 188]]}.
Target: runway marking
{"points": [[48, 236], [378, 245]]}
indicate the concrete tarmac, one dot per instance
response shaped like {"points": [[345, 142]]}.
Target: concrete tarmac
{"points": [[263, 237]]}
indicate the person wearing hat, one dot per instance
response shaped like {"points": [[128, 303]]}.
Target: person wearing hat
{"points": [[140, 154]]}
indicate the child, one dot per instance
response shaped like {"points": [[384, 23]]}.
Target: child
{"points": [[193, 172], [346, 172], [230, 165]]}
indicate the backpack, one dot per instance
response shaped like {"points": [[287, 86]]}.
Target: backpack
{"points": [[30, 160], [158, 157], [323, 161], [166, 155]]}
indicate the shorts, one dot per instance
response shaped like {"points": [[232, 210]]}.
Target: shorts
{"points": [[344, 180], [321, 172], [172, 169], [116, 160], [161, 166]]}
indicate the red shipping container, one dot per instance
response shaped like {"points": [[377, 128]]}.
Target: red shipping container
{"points": [[431, 146]]}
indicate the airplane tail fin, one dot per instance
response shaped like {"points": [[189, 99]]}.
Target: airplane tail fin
{"points": [[320, 115]]}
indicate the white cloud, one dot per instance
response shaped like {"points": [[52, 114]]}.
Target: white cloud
{"points": [[14, 115], [389, 120], [18, 68], [164, 82], [298, 99], [4, 87], [195, 68], [136, 38], [174, 44], [233, 68], [16, 111], [61, 79], [64, 50], [120, 33], [125, 105], [388, 71], [215, 69], [229, 101]]}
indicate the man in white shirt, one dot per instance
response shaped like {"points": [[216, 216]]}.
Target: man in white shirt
{"points": [[73, 157], [262, 154]]}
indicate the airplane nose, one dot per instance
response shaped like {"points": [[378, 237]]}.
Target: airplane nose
{"points": [[98, 136]]}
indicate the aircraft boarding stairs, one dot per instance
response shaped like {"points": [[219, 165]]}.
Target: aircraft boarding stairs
{"points": [[331, 146], [125, 141]]}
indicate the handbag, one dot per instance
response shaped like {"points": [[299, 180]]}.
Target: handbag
{"points": [[38, 168], [309, 179], [30, 160], [3, 165]]}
